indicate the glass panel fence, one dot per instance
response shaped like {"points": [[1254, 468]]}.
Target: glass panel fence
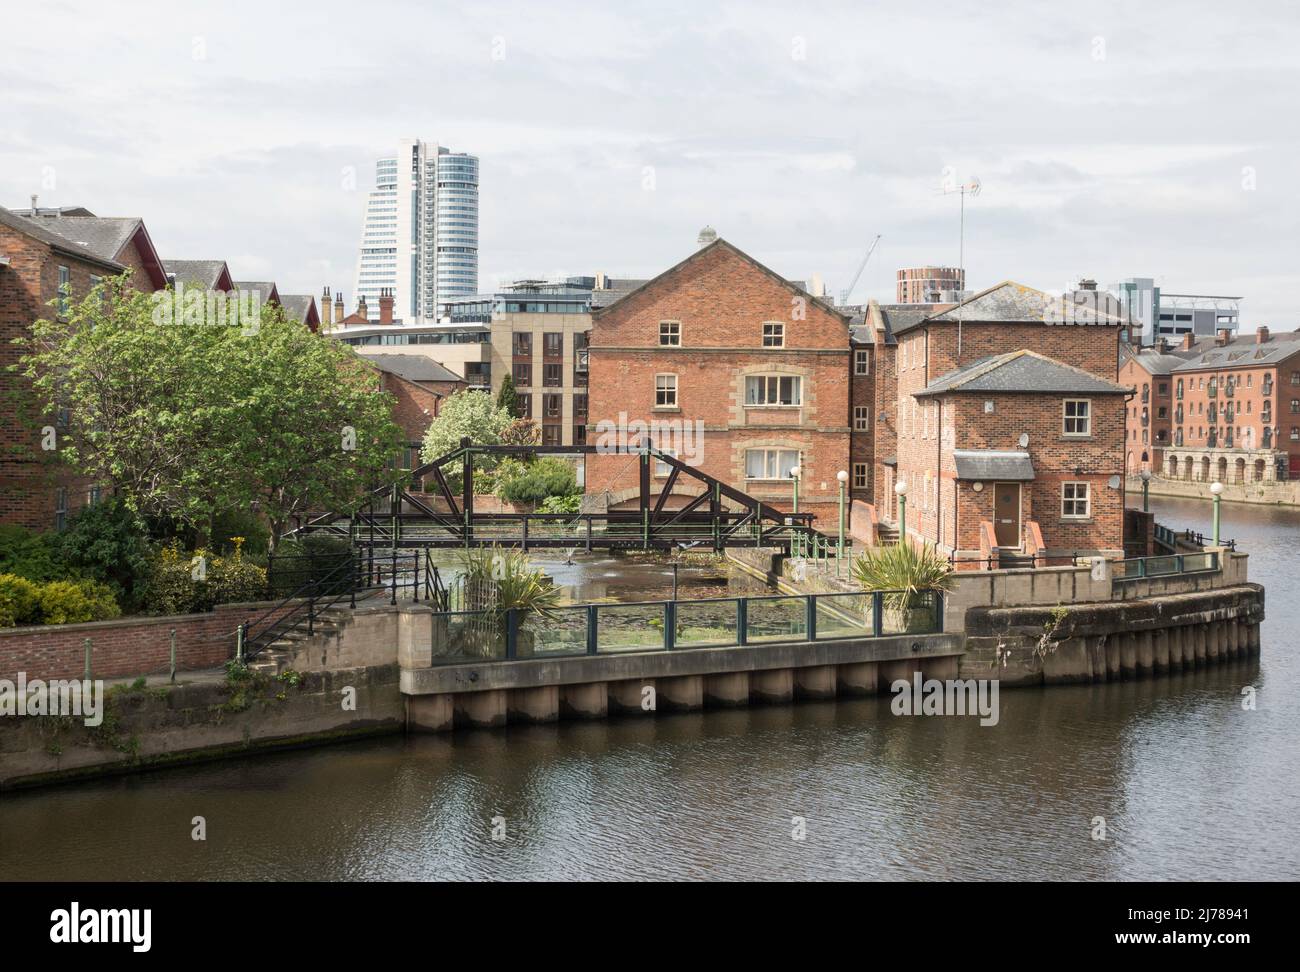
{"points": [[702, 624], [917, 613], [629, 627], [776, 619], [563, 633], [468, 636], [845, 616]]}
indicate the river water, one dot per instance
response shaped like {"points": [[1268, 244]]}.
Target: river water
{"points": [[1191, 787]]}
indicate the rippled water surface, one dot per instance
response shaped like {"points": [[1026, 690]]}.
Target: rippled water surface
{"points": [[1191, 787]]}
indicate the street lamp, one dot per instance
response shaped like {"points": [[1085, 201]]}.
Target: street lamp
{"points": [[1146, 490], [794, 475], [1216, 488], [843, 477], [900, 489]]}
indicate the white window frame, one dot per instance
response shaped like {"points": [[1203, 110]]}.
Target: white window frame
{"points": [[1083, 432], [672, 331], [772, 460], [771, 381], [1070, 495], [667, 389], [776, 337], [861, 418], [861, 475], [861, 361], [662, 469]]}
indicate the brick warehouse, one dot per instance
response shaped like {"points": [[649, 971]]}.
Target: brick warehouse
{"points": [[761, 365]]}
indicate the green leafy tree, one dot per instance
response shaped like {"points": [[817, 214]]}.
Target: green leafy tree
{"points": [[508, 397], [536, 481], [464, 415], [108, 542]]}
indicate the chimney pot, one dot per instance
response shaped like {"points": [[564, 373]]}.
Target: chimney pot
{"points": [[1261, 334], [1189, 339]]}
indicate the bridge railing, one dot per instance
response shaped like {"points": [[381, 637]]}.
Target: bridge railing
{"points": [[1138, 568], [461, 637]]}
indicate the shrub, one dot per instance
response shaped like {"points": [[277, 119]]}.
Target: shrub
{"points": [[19, 601], [35, 556], [905, 571], [71, 602], [561, 504], [172, 587], [108, 543], [536, 481]]}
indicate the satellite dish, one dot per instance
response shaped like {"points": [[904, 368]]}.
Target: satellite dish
{"points": [[1113, 482], [1024, 440]]}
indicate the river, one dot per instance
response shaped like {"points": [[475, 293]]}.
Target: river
{"points": [[1191, 787]]}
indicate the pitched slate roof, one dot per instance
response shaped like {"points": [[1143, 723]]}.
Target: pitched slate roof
{"points": [[1012, 302], [1244, 352], [203, 273], [618, 290], [992, 464], [296, 306], [35, 230], [265, 288], [104, 236], [1021, 372], [899, 318], [412, 367]]}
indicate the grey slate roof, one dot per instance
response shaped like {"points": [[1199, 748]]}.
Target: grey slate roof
{"points": [[263, 288], [617, 290], [1015, 303], [36, 230], [103, 236], [992, 464], [412, 367], [899, 318], [295, 306], [1243, 352], [203, 273], [1021, 372]]}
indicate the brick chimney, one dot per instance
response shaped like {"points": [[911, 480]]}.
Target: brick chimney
{"points": [[361, 306], [338, 307], [1222, 336], [1189, 339], [386, 306], [1261, 334], [325, 306], [1162, 345]]}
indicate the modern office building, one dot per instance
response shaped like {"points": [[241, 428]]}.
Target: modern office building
{"points": [[1171, 316], [419, 235], [930, 285]]}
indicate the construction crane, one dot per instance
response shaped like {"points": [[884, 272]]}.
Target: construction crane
{"points": [[844, 294]]}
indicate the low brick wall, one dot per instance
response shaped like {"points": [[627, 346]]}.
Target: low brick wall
{"points": [[125, 647]]}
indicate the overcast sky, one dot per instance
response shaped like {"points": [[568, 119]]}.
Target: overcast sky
{"points": [[1112, 140]]}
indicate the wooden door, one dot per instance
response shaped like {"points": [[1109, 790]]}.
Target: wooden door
{"points": [[1006, 514]]}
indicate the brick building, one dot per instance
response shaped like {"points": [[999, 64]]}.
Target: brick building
{"points": [[1236, 409], [1148, 373], [37, 266], [418, 385], [722, 344]]}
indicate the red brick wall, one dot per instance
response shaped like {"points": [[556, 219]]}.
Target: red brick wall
{"points": [[1149, 439], [1248, 400], [1094, 348], [125, 647], [862, 445], [415, 406], [722, 301]]}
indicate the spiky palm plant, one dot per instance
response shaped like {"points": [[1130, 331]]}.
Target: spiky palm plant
{"points": [[905, 572]]}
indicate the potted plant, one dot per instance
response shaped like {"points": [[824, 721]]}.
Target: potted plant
{"points": [[498, 580], [906, 573]]}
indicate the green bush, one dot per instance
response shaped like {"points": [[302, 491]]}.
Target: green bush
{"points": [[243, 524], [561, 504], [71, 602], [172, 587], [534, 482], [108, 543], [35, 556], [19, 601]]}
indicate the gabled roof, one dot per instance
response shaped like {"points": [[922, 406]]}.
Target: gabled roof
{"points": [[106, 237], [1013, 303], [209, 274], [1244, 352], [720, 242], [1021, 372], [299, 307], [36, 231], [265, 289], [412, 367], [1157, 363]]}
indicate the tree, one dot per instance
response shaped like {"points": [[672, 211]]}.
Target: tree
{"points": [[464, 415], [508, 397], [537, 481], [522, 431]]}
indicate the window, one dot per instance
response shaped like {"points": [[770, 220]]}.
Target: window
{"points": [[551, 377], [1295, 434], [1295, 377], [523, 343], [525, 409], [773, 390], [665, 391], [580, 408], [96, 493], [773, 335], [670, 334], [1074, 500], [861, 418], [770, 463], [861, 361], [65, 291], [523, 374], [60, 508], [1164, 388], [860, 478], [1078, 416], [552, 344], [551, 406], [662, 468], [551, 435]]}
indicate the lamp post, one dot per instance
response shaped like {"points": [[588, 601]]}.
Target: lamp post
{"points": [[900, 489], [1146, 490], [794, 476], [843, 477], [1216, 488]]}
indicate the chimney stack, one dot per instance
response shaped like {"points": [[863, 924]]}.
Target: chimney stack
{"points": [[1162, 345], [34, 212], [1222, 336], [361, 306], [1261, 334], [386, 306], [1086, 284], [1189, 339], [338, 307]]}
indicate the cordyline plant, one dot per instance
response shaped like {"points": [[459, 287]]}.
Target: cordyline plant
{"points": [[905, 572], [508, 582], [186, 420]]}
